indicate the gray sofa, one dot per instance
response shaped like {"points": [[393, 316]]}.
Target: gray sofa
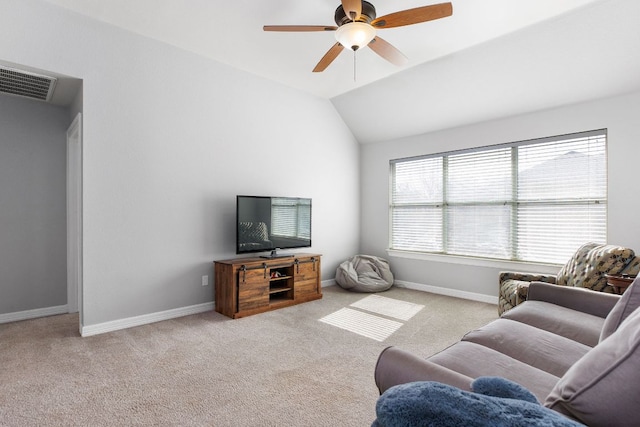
{"points": [[575, 349]]}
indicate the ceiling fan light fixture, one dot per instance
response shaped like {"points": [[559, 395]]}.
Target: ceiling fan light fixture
{"points": [[355, 35]]}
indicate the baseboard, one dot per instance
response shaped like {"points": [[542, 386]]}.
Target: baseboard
{"points": [[32, 314], [327, 283], [448, 292], [144, 319]]}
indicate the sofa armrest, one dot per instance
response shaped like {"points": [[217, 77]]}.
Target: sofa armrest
{"points": [[396, 366], [580, 299]]}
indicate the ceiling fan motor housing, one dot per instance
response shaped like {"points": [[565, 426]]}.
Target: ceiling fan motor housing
{"points": [[367, 15]]}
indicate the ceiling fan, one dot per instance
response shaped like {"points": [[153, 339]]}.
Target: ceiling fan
{"points": [[357, 24]]}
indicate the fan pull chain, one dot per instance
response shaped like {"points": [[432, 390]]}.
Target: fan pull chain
{"points": [[354, 66]]}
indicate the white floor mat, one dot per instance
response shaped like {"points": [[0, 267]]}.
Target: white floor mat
{"points": [[397, 309], [368, 325]]}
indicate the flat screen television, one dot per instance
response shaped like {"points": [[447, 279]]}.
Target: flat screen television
{"points": [[270, 224]]}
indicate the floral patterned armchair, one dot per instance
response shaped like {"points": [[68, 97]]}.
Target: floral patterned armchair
{"points": [[586, 269]]}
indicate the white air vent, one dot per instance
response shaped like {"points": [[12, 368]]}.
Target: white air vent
{"points": [[29, 85]]}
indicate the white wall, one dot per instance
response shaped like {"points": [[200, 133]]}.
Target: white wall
{"points": [[169, 139], [619, 115], [33, 239]]}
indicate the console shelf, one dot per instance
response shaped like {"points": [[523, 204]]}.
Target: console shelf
{"points": [[246, 286], [276, 289]]}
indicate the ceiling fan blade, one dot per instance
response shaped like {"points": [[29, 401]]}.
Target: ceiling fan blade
{"points": [[352, 8], [414, 16], [296, 28], [388, 52], [328, 58]]}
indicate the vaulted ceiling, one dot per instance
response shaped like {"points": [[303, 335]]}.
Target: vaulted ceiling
{"points": [[491, 58]]}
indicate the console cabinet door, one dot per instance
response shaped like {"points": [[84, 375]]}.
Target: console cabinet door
{"points": [[307, 277], [253, 289]]}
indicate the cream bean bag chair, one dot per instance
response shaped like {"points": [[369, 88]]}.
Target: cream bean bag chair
{"points": [[364, 273]]}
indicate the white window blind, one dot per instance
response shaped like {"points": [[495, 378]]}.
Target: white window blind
{"points": [[528, 201], [418, 188]]}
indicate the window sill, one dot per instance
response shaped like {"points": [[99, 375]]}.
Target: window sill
{"points": [[478, 262]]}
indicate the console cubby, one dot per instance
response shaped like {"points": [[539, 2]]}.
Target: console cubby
{"points": [[281, 284]]}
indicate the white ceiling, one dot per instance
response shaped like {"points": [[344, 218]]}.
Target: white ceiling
{"points": [[231, 32], [433, 81], [589, 54]]}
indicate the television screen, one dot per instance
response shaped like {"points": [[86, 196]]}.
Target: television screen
{"points": [[272, 223]]}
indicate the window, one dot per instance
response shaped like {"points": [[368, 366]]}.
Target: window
{"points": [[535, 200]]}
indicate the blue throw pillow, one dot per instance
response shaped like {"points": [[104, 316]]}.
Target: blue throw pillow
{"points": [[497, 402]]}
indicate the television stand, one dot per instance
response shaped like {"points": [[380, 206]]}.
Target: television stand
{"points": [[246, 286], [275, 254]]}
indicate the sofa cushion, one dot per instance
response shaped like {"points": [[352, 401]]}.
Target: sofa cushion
{"points": [[475, 360], [575, 325], [603, 387], [624, 307], [536, 347], [590, 263]]}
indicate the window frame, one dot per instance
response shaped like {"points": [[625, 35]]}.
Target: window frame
{"points": [[514, 201]]}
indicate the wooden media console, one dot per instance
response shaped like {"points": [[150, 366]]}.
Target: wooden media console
{"points": [[246, 286]]}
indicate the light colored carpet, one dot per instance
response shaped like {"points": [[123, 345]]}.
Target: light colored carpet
{"points": [[365, 324], [282, 368], [388, 307]]}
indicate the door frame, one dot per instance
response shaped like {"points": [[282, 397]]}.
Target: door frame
{"points": [[74, 217]]}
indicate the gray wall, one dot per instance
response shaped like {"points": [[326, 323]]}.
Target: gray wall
{"points": [[619, 115], [33, 240], [169, 139]]}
